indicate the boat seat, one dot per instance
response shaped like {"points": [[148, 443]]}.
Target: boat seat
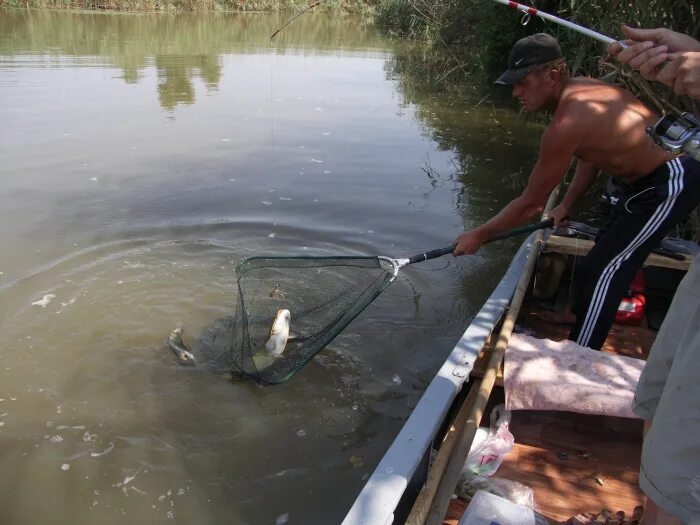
{"points": [[580, 247]]}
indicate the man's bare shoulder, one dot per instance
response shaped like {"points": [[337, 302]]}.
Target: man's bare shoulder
{"points": [[588, 99], [581, 90]]}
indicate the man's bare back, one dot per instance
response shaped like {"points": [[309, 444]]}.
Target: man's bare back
{"points": [[611, 125]]}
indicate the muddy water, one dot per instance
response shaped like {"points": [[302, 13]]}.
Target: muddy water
{"points": [[142, 158]]}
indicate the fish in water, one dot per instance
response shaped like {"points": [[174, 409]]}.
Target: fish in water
{"points": [[177, 345], [279, 333]]}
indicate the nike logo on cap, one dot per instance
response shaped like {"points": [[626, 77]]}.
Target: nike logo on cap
{"points": [[517, 62]]}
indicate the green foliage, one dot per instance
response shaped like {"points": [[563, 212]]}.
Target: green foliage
{"points": [[398, 18]]}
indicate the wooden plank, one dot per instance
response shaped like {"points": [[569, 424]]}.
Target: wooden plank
{"points": [[559, 499], [573, 246], [481, 365], [565, 487]]}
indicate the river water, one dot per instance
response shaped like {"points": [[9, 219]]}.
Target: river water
{"points": [[143, 157]]}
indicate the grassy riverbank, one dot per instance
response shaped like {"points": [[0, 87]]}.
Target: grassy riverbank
{"points": [[336, 6]]}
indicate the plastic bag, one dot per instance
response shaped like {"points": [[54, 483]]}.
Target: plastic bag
{"points": [[484, 458], [469, 484]]}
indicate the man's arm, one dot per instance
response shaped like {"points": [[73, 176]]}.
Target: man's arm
{"points": [[557, 147]]}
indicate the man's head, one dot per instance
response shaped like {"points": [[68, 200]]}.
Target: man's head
{"points": [[536, 70]]}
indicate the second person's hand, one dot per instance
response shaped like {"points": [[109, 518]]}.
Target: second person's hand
{"points": [[682, 73]]}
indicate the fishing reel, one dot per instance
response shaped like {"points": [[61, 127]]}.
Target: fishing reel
{"points": [[677, 134]]}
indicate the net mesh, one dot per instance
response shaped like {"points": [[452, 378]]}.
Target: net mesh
{"points": [[323, 295]]}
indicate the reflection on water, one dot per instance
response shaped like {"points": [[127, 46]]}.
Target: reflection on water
{"points": [[182, 47], [143, 158]]}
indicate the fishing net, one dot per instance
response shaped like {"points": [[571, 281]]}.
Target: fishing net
{"points": [[323, 295]]}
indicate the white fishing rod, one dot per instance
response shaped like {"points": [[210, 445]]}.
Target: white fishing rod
{"points": [[529, 10]]}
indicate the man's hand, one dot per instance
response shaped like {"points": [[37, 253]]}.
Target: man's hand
{"points": [[560, 214], [469, 243], [682, 73]]}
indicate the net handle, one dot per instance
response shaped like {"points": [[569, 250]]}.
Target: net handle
{"points": [[432, 254]]}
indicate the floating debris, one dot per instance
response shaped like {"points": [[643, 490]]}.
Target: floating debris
{"points": [[108, 449], [396, 379], [44, 300], [356, 461], [598, 480], [282, 519], [65, 466]]}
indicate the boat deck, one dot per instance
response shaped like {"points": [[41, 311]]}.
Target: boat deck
{"points": [[575, 463]]}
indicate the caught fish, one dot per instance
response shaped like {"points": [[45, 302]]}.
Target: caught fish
{"points": [[179, 348], [279, 333]]}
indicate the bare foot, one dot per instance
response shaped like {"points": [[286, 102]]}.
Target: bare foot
{"points": [[562, 317]]}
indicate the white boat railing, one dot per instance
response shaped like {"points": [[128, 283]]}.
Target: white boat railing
{"points": [[381, 494]]}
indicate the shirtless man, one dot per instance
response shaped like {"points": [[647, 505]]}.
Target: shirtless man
{"points": [[603, 127]]}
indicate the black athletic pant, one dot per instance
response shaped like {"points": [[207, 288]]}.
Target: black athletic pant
{"points": [[642, 216]]}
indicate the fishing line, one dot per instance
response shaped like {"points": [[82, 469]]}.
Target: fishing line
{"points": [[271, 105]]}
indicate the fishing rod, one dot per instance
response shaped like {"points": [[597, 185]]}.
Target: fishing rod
{"points": [[532, 11], [273, 35]]}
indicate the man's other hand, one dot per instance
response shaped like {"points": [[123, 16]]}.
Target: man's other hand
{"points": [[468, 243], [560, 214]]}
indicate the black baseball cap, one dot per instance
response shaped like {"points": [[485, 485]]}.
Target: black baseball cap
{"points": [[527, 54]]}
